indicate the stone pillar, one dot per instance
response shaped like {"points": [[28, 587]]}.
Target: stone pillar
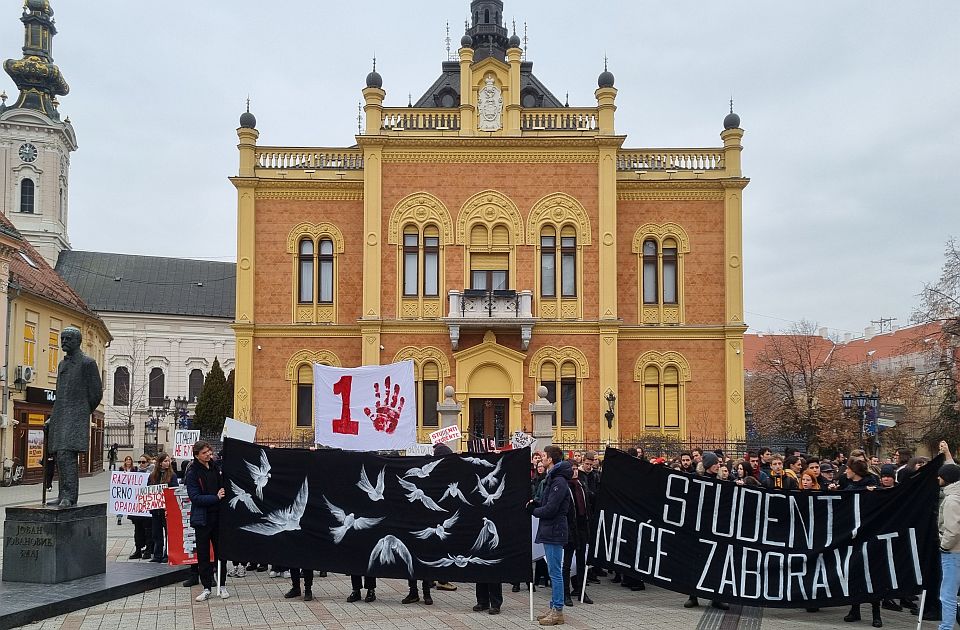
{"points": [[50, 546], [468, 122], [514, 56], [543, 412], [449, 411]]}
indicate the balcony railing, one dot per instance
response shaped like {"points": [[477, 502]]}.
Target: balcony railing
{"points": [[671, 159], [566, 119], [410, 119], [479, 308], [305, 159]]}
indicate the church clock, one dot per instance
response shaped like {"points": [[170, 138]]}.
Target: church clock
{"points": [[28, 152]]}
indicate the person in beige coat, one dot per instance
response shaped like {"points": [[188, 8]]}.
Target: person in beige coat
{"points": [[949, 525]]}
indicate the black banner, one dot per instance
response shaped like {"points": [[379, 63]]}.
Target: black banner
{"points": [[758, 547], [454, 518]]}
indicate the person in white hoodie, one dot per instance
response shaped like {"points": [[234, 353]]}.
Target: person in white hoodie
{"points": [[949, 524]]}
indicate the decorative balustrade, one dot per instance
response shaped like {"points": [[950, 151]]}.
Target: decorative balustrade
{"points": [[409, 119], [486, 309], [671, 159], [566, 119], [294, 158]]}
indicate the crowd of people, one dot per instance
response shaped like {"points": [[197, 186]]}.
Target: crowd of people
{"points": [[564, 491]]}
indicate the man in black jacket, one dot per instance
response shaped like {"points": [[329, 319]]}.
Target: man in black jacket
{"points": [[552, 532], [205, 486]]}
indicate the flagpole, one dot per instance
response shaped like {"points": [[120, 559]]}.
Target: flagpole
{"points": [[586, 571], [923, 599]]}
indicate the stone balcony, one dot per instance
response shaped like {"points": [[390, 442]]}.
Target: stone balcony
{"points": [[482, 309]]}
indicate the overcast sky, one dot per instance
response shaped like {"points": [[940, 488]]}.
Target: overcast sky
{"points": [[851, 111]]}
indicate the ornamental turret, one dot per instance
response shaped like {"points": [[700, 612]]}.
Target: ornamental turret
{"points": [[487, 31], [37, 78]]}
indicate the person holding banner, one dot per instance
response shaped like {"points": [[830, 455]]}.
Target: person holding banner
{"points": [[552, 532], [205, 487], [162, 474], [142, 525], [711, 468], [859, 478]]}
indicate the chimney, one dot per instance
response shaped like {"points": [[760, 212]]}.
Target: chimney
{"points": [[869, 333], [847, 337], [823, 332]]}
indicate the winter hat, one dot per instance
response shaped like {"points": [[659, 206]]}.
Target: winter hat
{"points": [[710, 460], [441, 449], [826, 467], [950, 473], [888, 470]]}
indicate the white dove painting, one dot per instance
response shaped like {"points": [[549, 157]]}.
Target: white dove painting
{"points": [[390, 550], [440, 531], [374, 492], [476, 461], [242, 496], [347, 521], [453, 491], [424, 471], [490, 480], [489, 497], [488, 536], [260, 474], [282, 520], [458, 561], [416, 494]]}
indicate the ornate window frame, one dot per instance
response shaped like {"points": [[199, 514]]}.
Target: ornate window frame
{"points": [[660, 312], [315, 311], [558, 357], [559, 211], [420, 210], [291, 374], [421, 356], [661, 361], [491, 209]]}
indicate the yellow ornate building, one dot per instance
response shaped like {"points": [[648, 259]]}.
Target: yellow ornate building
{"points": [[502, 240]]}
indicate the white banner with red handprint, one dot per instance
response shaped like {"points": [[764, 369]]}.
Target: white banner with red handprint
{"points": [[367, 408]]}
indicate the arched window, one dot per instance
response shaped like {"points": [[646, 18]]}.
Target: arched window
{"points": [[194, 385], [662, 376], [121, 387], [326, 271], [649, 272], [411, 260], [670, 271], [421, 259], [305, 396], [486, 16], [548, 262], [490, 258], [568, 262], [305, 280], [562, 388], [429, 394], [156, 387], [27, 196]]}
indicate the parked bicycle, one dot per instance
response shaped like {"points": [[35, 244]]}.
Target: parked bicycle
{"points": [[12, 472]]}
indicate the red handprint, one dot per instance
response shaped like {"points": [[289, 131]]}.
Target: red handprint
{"points": [[386, 413]]}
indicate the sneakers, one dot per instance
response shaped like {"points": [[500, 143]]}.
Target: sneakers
{"points": [[233, 572], [224, 593], [553, 618], [286, 574], [241, 571], [204, 595], [446, 586], [273, 574]]}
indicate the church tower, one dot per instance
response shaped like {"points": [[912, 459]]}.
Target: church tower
{"points": [[35, 144], [490, 37]]}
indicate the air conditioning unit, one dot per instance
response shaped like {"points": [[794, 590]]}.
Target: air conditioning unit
{"points": [[24, 374]]}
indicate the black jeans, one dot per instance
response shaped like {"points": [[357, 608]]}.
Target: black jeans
{"points": [[159, 524], [413, 586], [576, 547], [490, 595], [143, 533], [207, 534], [307, 578], [359, 581]]}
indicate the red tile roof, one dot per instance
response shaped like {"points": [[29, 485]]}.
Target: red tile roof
{"points": [[39, 278]]}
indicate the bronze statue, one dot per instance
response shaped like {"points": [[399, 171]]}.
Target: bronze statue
{"points": [[79, 391]]}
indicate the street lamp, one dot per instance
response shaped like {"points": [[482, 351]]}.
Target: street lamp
{"points": [[866, 404], [611, 402]]}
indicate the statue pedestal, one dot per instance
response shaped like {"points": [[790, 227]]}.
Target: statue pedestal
{"points": [[49, 545]]}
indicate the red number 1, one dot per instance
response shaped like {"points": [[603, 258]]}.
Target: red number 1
{"points": [[345, 425]]}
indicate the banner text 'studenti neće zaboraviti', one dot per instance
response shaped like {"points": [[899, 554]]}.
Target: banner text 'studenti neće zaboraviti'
{"points": [[758, 547]]}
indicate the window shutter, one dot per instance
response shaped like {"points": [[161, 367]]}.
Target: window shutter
{"points": [[651, 397], [568, 370], [501, 235], [430, 371], [478, 236], [489, 262]]}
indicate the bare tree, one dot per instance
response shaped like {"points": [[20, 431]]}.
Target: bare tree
{"points": [[131, 395]]}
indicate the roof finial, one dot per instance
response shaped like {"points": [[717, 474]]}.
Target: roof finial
{"points": [[409, 99], [514, 26], [448, 41], [526, 41], [731, 103], [605, 62], [359, 119], [374, 62], [248, 103], [567, 104]]}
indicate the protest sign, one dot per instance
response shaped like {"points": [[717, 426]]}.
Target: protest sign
{"points": [[422, 450], [123, 492], [150, 498], [181, 538], [445, 435], [239, 430], [522, 440], [367, 408], [184, 439], [452, 518], [759, 547]]}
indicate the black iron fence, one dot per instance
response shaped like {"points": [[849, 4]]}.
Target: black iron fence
{"points": [[119, 434]]}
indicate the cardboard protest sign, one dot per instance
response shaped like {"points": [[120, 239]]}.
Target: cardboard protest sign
{"points": [[123, 492], [522, 440], [150, 498], [183, 441], [420, 450], [239, 430], [445, 434], [181, 538]]}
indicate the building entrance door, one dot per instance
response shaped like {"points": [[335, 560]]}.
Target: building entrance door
{"points": [[489, 419]]}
